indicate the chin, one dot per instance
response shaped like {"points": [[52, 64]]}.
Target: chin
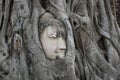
{"points": [[60, 56], [53, 57]]}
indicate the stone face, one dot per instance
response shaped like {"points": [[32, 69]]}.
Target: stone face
{"points": [[53, 42]]}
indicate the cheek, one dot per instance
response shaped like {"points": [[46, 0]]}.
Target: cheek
{"points": [[49, 45], [50, 48]]}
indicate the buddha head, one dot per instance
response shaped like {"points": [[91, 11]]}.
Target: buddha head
{"points": [[52, 37]]}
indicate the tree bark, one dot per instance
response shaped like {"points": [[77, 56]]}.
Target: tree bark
{"points": [[93, 40]]}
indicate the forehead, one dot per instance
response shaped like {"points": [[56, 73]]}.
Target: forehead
{"points": [[56, 31], [53, 28]]}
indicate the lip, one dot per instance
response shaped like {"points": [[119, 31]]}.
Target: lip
{"points": [[59, 51]]}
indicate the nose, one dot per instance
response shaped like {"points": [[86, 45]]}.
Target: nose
{"points": [[61, 44]]}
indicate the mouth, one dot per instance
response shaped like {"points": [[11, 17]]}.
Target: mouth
{"points": [[60, 52]]}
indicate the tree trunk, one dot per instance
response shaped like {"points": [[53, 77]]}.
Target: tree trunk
{"points": [[92, 40]]}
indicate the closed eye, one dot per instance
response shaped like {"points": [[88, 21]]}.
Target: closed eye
{"points": [[64, 36], [54, 35]]}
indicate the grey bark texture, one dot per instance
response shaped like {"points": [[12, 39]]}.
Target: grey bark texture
{"points": [[93, 40]]}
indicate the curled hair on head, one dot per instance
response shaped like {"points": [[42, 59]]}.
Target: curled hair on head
{"points": [[46, 20]]}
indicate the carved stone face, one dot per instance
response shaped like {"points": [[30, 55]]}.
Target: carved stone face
{"points": [[53, 42]]}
